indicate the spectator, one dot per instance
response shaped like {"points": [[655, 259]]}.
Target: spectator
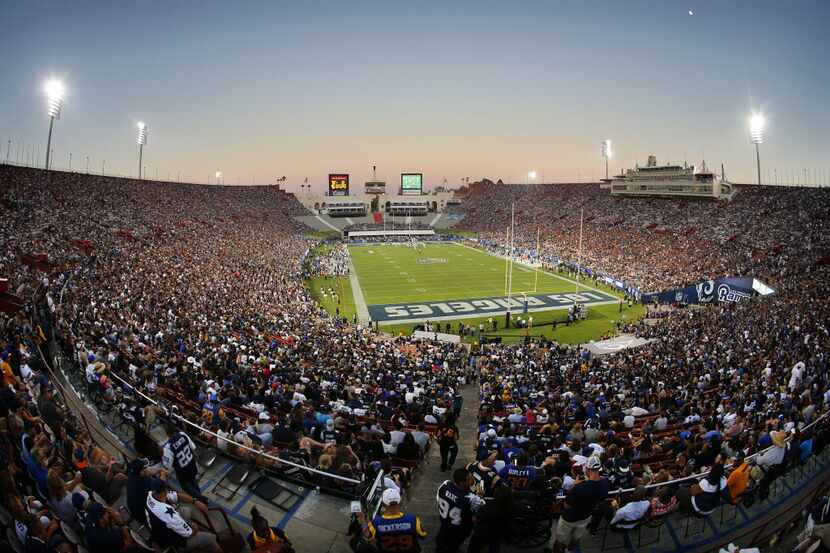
{"points": [[580, 502], [172, 529], [456, 506], [738, 478], [180, 455], [393, 531], [263, 534], [633, 512]]}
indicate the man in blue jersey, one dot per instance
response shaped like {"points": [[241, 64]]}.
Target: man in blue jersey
{"points": [[456, 505], [180, 455], [518, 474], [394, 531]]}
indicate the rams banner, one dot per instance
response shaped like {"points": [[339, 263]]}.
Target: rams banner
{"points": [[483, 307], [721, 290], [338, 184]]}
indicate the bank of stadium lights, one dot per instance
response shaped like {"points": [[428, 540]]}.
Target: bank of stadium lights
{"points": [[531, 176], [219, 177], [757, 122], [142, 140], [55, 91], [606, 154]]}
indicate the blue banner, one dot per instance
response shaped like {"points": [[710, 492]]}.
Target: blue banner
{"points": [[721, 290]]}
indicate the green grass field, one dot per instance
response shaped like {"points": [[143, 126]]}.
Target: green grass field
{"points": [[392, 274]]}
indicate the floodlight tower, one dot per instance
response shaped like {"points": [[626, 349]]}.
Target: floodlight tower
{"points": [[756, 132], [142, 140], [606, 154], [55, 91]]}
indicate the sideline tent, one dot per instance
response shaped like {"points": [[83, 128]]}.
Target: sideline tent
{"points": [[618, 343]]}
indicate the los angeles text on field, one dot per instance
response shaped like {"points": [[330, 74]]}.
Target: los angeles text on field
{"points": [[484, 306], [401, 284]]}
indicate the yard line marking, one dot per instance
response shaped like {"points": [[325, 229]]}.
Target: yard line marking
{"points": [[357, 293]]}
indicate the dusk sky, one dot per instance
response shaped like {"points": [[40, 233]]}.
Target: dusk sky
{"points": [[450, 89]]}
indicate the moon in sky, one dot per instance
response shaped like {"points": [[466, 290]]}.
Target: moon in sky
{"points": [[691, 12]]}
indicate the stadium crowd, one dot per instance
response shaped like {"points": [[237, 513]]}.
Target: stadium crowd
{"points": [[655, 244], [195, 295]]}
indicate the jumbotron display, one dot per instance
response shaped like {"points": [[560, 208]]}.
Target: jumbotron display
{"points": [[338, 184], [412, 184]]}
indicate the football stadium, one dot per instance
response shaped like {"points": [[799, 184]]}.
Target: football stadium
{"points": [[251, 300]]}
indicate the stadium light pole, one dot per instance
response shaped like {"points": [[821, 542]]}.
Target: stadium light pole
{"points": [[55, 91], [142, 140], [606, 154], [756, 132], [531, 176]]}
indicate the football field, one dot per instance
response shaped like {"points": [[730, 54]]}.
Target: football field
{"points": [[442, 281]]}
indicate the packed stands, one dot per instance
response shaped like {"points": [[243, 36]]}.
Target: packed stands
{"points": [[187, 303], [655, 244]]}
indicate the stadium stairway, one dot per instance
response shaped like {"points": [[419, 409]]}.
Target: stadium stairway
{"points": [[420, 498]]}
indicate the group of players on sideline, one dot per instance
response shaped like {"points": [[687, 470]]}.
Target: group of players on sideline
{"points": [[197, 293]]}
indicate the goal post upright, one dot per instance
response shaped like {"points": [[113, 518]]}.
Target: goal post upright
{"points": [[506, 262], [510, 252], [579, 252], [538, 263]]}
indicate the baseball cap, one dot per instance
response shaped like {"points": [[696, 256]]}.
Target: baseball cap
{"points": [[593, 463], [263, 416], [391, 496]]}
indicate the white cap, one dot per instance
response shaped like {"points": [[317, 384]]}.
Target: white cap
{"points": [[264, 416], [390, 496]]}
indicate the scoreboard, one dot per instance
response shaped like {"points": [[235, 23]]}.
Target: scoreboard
{"points": [[338, 184], [412, 184]]}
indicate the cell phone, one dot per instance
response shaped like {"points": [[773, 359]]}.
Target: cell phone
{"points": [[355, 507]]}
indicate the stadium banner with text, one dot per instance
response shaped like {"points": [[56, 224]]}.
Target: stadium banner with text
{"points": [[721, 290], [412, 184], [482, 307], [338, 184]]}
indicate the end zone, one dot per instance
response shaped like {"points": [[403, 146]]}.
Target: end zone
{"points": [[416, 312]]}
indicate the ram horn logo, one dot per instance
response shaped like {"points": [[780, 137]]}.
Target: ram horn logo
{"points": [[705, 291], [727, 294]]}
